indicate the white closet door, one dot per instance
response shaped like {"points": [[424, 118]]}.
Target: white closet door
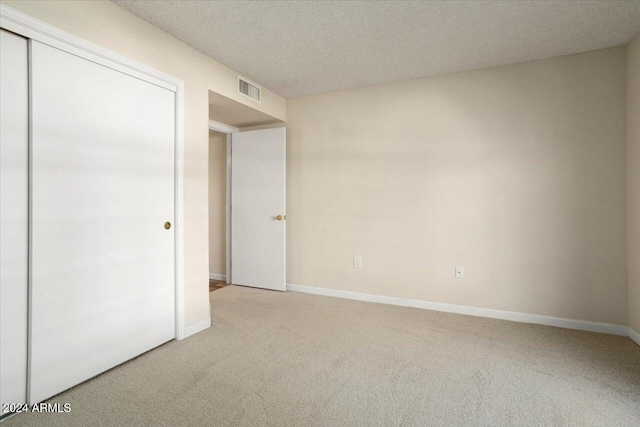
{"points": [[14, 205], [258, 208], [102, 190]]}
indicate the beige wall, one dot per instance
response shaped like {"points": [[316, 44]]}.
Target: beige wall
{"points": [[633, 180], [217, 203], [516, 172], [112, 27]]}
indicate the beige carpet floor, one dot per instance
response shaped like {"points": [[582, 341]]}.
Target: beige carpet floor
{"points": [[302, 360]]}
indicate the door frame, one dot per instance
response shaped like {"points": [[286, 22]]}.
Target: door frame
{"points": [[229, 131], [31, 28]]}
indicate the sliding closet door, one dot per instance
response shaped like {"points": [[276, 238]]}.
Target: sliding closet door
{"points": [[14, 204], [102, 205]]}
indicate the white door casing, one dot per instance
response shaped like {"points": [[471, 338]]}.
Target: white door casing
{"points": [[258, 251], [102, 262]]}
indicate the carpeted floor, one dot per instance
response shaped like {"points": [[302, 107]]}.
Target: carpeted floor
{"points": [[278, 359]]}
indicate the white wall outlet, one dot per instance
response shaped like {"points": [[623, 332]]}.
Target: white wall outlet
{"points": [[459, 272], [357, 262]]}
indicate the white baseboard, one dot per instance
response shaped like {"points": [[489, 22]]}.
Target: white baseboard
{"points": [[605, 328], [198, 327], [634, 335], [214, 276]]}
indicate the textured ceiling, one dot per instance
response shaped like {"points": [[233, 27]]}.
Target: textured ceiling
{"points": [[304, 48]]}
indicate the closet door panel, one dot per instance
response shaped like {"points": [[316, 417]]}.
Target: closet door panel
{"points": [[102, 191], [14, 205]]}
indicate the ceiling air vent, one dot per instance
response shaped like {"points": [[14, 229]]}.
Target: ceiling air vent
{"points": [[248, 89]]}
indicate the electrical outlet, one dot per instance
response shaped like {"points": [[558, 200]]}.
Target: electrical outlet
{"points": [[459, 272], [357, 262]]}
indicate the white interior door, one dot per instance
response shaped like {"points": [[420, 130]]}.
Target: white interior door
{"points": [[258, 208], [103, 265], [14, 205]]}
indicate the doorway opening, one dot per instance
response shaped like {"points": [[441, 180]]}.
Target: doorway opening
{"points": [[217, 210], [227, 118]]}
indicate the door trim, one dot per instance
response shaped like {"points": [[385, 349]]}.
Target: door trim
{"points": [[221, 127], [31, 28]]}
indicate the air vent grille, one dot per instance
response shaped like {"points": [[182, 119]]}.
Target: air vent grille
{"points": [[248, 89]]}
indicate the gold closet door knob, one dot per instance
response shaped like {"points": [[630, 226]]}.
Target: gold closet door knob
{"points": [[167, 225], [279, 217]]}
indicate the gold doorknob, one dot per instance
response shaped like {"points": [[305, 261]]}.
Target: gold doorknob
{"points": [[279, 217], [167, 225]]}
